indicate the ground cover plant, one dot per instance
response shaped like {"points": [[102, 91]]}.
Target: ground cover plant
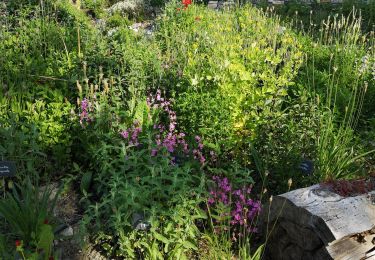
{"points": [[174, 138]]}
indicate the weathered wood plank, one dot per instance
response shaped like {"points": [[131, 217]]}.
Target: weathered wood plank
{"points": [[357, 246]]}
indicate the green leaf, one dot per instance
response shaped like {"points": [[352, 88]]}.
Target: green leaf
{"points": [[258, 254], [161, 238], [85, 181], [46, 239], [189, 245]]}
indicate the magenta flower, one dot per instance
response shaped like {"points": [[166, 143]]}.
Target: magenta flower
{"points": [[154, 152], [243, 209], [84, 115], [125, 134]]}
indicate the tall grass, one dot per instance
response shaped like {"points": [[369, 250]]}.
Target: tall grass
{"points": [[345, 80]]}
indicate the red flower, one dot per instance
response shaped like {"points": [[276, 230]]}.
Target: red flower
{"points": [[46, 221], [18, 243], [197, 18], [186, 3], [178, 9]]}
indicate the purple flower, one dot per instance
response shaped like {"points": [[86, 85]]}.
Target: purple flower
{"points": [[84, 104], [84, 115], [158, 94], [135, 134], [202, 160], [172, 127], [154, 152], [125, 134], [243, 209]]}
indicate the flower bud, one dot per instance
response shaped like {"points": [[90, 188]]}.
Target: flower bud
{"points": [[79, 87]]}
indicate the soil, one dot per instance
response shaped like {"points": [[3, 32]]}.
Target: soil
{"points": [[68, 212]]}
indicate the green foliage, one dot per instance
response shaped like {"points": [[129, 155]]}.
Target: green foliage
{"points": [[338, 155], [339, 69], [232, 66], [46, 240], [305, 15], [36, 134], [43, 47], [117, 20], [19, 143], [173, 234], [28, 211], [95, 6], [128, 180], [286, 138], [239, 78], [220, 247]]}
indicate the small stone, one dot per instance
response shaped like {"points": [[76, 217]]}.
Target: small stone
{"points": [[68, 232]]}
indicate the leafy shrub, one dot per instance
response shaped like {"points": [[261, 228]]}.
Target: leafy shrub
{"points": [[19, 143], [36, 134], [117, 20], [141, 168], [94, 6], [173, 234], [231, 70], [288, 138]]}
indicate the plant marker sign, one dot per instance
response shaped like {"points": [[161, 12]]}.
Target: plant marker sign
{"points": [[7, 169]]}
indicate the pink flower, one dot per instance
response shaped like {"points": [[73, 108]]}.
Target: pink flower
{"points": [[154, 152], [125, 134]]}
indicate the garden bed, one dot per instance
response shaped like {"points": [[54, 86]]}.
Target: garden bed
{"points": [[169, 136]]}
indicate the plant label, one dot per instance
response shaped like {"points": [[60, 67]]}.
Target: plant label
{"points": [[7, 169]]}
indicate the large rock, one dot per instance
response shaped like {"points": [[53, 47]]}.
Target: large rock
{"points": [[316, 223]]}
